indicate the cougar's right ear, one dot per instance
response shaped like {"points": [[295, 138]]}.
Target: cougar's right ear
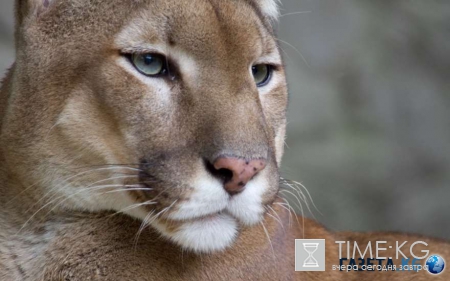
{"points": [[269, 8], [31, 8]]}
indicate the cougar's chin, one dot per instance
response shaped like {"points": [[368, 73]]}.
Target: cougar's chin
{"points": [[204, 235]]}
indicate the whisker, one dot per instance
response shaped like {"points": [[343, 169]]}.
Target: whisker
{"points": [[301, 209], [126, 165], [287, 56], [141, 228], [287, 209], [298, 52], [55, 188], [163, 211], [301, 195], [276, 217], [133, 206], [295, 13], [126, 189], [273, 217], [44, 197], [296, 217], [286, 204], [286, 144], [307, 192], [98, 187], [268, 238], [297, 202], [65, 180], [67, 198], [148, 220], [275, 212]]}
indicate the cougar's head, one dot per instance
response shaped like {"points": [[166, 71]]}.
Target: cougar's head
{"points": [[170, 111]]}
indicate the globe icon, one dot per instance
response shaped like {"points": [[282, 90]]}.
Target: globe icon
{"points": [[435, 264]]}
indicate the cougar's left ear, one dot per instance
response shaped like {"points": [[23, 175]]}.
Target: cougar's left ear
{"points": [[31, 8], [270, 8]]}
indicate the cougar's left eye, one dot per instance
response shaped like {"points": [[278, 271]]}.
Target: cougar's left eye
{"points": [[149, 64], [262, 74]]}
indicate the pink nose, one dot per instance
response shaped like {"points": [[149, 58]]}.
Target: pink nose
{"points": [[241, 170]]}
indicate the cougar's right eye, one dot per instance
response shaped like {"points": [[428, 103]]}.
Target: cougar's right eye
{"points": [[149, 64]]}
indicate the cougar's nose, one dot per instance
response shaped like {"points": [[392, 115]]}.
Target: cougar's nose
{"points": [[236, 172]]}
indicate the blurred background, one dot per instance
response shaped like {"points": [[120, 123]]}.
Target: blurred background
{"points": [[369, 114]]}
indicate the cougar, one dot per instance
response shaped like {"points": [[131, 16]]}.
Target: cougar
{"points": [[141, 140]]}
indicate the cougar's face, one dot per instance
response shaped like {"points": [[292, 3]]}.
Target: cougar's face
{"points": [[169, 111]]}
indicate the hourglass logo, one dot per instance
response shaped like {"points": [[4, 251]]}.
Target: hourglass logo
{"points": [[310, 260], [309, 254]]}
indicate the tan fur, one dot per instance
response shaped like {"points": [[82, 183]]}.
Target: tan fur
{"points": [[74, 114]]}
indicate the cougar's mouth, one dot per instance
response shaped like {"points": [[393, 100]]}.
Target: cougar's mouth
{"points": [[195, 210]]}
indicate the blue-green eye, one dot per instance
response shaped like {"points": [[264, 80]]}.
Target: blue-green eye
{"points": [[150, 64], [262, 74]]}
